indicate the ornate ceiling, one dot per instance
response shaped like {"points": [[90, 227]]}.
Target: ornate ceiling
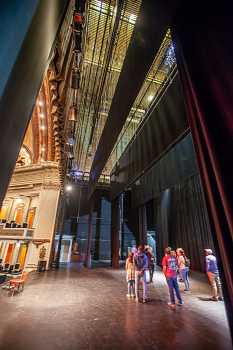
{"points": [[38, 145], [46, 135]]}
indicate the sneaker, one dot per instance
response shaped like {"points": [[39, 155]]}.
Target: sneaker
{"points": [[128, 295], [171, 305], [145, 301], [220, 299], [133, 296], [180, 303], [214, 298]]}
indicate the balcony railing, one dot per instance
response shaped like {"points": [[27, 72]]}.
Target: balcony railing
{"points": [[83, 177], [15, 233]]}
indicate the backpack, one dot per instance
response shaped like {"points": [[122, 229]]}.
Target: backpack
{"points": [[186, 261], [139, 261]]}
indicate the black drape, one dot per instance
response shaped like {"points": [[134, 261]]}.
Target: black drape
{"points": [[165, 125], [181, 220], [162, 215], [189, 227]]}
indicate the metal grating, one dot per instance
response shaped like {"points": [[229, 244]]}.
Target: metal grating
{"points": [[107, 35]]}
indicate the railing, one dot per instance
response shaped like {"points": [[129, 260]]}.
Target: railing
{"points": [[83, 177]]}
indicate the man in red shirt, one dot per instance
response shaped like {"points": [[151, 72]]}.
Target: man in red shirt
{"points": [[170, 268]]}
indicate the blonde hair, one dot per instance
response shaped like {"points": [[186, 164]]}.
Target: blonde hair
{"points": [[180, 250], [130, 256]]}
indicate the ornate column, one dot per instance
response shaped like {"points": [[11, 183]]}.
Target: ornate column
{"points": [[26, 209]]}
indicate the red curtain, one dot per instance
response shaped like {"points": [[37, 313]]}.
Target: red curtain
{"points": [[202, 37]]}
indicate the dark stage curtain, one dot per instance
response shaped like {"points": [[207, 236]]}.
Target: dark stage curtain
{"points": [[177, 165], [202, 34], [189, 227], [162, 216], [181, 220], [166, 124]]}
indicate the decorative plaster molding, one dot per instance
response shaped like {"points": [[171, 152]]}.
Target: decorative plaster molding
{"points": [[51, 185], [38, 242]]}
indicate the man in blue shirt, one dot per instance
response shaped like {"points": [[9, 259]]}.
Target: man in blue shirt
{"points": [[213, 275], [141, 265]]}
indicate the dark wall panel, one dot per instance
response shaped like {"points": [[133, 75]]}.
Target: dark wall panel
{"points": [[101, 231], [16, 17]]}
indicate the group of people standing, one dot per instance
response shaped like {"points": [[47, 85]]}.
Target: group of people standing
{"points": [[140, 266]]}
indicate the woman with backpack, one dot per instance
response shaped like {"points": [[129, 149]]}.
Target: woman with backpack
{"points": [[183, 265]]}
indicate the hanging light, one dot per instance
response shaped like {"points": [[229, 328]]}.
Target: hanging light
{"points": [[78, 21], [80, 5], [75, 78], [73, 113]]}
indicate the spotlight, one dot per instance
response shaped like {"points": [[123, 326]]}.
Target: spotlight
{"points": [[68, 188], [43, 149], [42, 127], [99, 5], [150, 98], [132, 18], [41, 115], [40, 103]]}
